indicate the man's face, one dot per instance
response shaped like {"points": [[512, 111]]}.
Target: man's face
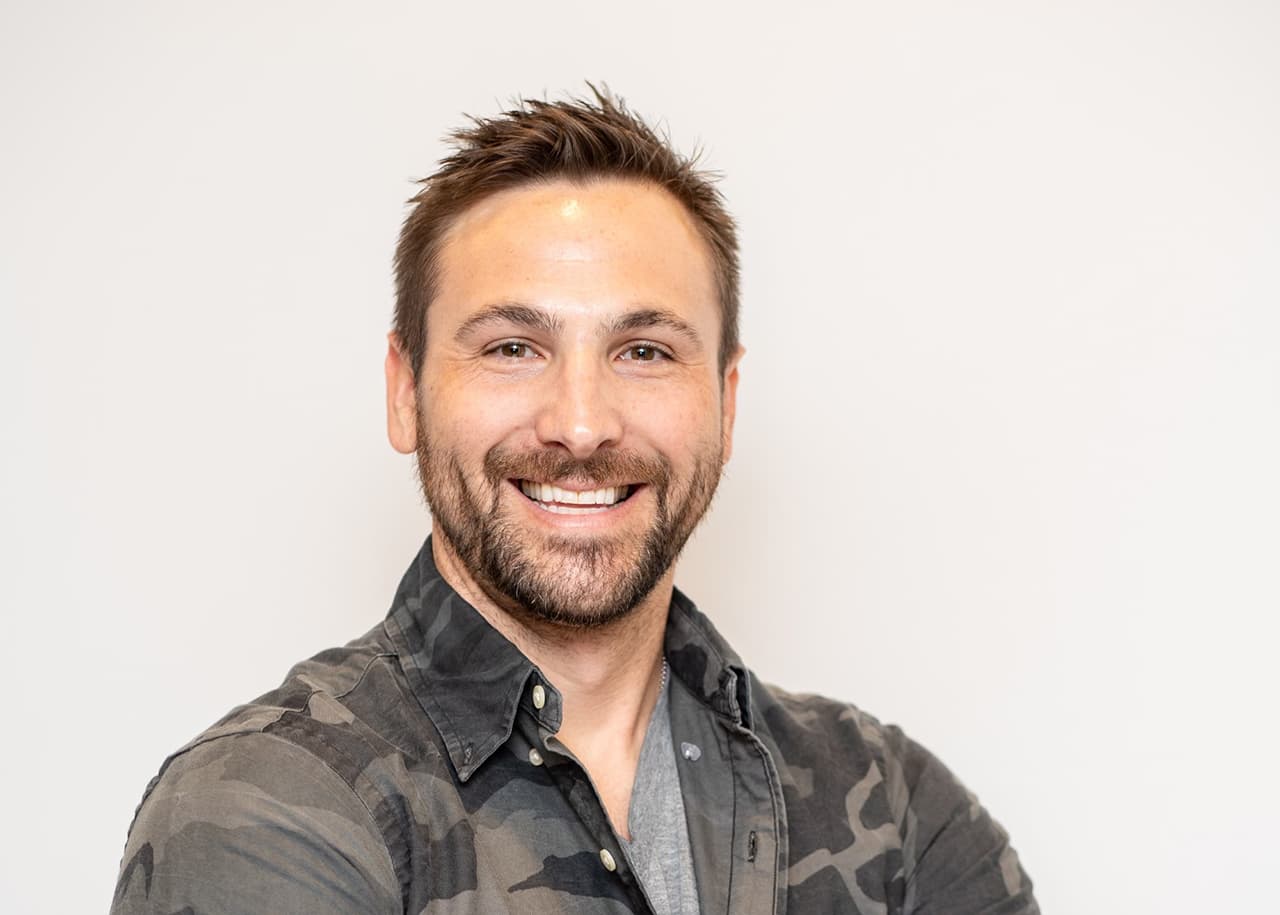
{"points": [[571, 419]]}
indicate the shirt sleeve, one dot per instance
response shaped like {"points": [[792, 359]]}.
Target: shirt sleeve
{"points": [[250, 823], [957, 859]]}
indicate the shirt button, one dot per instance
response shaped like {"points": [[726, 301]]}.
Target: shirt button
{"points": [[534, 756], [539, 696], [607, 860]]}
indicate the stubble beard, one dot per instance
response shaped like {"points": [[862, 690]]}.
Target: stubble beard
{"points": [[576, 582]]}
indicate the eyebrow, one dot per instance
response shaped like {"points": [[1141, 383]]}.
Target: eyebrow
{"points": [[655, 317], [510, 313], [536, 319]]}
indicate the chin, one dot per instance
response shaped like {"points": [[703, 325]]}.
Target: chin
{"points": [[580, 585]]}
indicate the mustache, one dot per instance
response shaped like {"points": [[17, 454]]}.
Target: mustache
{"points": [[603, 468]]}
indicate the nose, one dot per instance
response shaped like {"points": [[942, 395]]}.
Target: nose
{"points": [[580, 411]]}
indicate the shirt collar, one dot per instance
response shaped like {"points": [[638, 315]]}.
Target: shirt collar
{"points": [[471, 680]]}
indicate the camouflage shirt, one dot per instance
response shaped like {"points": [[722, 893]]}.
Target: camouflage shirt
{"points": [[416, 771]]}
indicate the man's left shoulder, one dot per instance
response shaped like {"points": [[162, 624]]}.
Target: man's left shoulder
{"points": [[809, 730], [873, 810]]}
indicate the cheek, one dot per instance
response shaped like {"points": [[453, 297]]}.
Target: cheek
{"points": [[677, 423], [473, 417]]}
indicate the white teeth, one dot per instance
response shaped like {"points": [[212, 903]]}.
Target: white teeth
{"points": [[555, 499], [571, 510]]}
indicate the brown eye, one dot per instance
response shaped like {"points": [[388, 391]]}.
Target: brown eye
{"points": [[514, 350], [643, 352]]}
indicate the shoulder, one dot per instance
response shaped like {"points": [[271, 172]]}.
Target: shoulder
{"points": [[832, 756], [809, 731], [250, 819], [347, 707], [851, 782], [347, 710], [301, 788]]}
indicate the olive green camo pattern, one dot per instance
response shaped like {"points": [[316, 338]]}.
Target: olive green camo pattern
{"points": [[416, 770]]}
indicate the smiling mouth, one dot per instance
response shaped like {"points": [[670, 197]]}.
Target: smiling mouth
{"points": [[574, 502]]}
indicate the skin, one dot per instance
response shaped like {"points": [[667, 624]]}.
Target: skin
{"points": [[613, 366]]}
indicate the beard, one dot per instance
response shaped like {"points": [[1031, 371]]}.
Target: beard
{"points": [[580, 581]]}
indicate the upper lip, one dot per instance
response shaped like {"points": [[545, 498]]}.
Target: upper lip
{"points": [[574, 485]]}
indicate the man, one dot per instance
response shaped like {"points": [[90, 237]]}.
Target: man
{"points": [[543, 723]]}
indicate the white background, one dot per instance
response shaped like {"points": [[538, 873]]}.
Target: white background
{"points": [[1009, 418]]}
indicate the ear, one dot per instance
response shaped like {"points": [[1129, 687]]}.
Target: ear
{"points": [[729, 402], [402, 398]]}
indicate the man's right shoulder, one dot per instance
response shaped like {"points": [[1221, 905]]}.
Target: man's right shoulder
{"points": [[314, 773], [339, 705], [247, 821]]}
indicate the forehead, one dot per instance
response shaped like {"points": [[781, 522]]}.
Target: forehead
{"points": [[592, 247]]}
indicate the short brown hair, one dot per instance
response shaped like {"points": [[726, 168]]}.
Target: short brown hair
{"points": [[579, 140]]}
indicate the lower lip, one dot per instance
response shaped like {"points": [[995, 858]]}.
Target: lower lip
{"points": [[592, 517]]}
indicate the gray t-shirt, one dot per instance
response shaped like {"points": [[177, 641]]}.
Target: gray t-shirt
{"points": [[659, 846]]}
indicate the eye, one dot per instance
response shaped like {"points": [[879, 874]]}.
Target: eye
{"points": [[513, 349], [644, 352]]}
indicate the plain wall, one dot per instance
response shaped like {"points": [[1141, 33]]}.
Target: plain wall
{"points": [[1009, 418]]}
